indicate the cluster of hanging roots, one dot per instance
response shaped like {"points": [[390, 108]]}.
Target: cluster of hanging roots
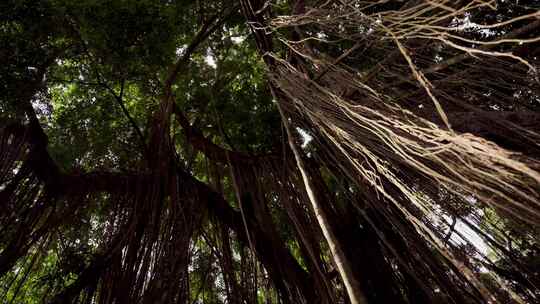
{"points": [[142, 247], [414, 121], [379, 86]]}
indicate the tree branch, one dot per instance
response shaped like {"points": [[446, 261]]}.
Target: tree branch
{"points": [[210, 149]]}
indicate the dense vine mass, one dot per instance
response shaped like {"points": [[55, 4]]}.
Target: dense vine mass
{"points": [[251, 151]]}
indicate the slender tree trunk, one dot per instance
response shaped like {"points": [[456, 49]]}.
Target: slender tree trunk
{"points": [[343, 265]]}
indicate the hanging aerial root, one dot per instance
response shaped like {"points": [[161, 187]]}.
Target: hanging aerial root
{"points": [[463, 163]]}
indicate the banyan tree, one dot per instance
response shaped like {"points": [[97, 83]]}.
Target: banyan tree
{"points": [[250, 151]]}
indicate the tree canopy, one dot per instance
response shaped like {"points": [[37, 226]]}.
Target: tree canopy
{"points": [[251, 151]]}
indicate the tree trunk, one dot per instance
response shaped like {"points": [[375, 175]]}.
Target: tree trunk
{"points": [[343, 265]]}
